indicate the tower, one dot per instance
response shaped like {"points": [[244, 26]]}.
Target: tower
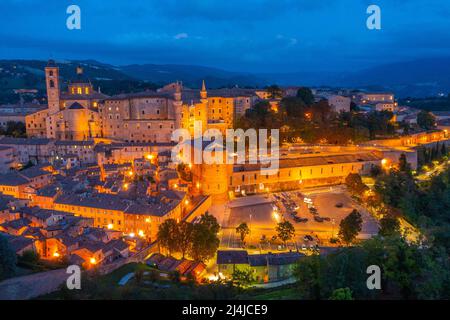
{"points": [[212, 178], [203, 92], [178, 106], [202, 108], [52, 81]]}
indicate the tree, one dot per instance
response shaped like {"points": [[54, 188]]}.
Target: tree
{"points": [[309, 274], [355, 185], [183, 237], [243, 230], [341, 294], [210, 222], [29, 256], [285, 231], [375, 171], [274, 91], [15, 129], [389, 226], [167, 235], [204, 239], [264, 241], [350, 226], [403, 165], [242, 277], [426, 120], [306, 95], [7, 259], [294, 107]]}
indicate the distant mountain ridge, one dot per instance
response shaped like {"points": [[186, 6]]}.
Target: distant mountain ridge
{"points": [[192, 75], [418, 78]]}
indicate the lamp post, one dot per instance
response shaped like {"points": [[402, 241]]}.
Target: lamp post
{"points": [[332, 228], [250, 226]]}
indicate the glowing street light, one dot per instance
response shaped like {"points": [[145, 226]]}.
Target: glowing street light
{"points": [[276, 216], [110, 226], [93, 260], [56, 255]]}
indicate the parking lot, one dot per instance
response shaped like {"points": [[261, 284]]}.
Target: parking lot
{"points": [[317, 217]]}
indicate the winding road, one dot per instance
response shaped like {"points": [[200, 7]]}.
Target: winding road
{"points": [[32, 286]]}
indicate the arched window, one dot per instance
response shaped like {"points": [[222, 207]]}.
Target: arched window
{"points": [[52, 84], [51, 73]]}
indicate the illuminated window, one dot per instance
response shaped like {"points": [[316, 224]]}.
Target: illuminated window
{"points": [[80, 90], [86, 90]]}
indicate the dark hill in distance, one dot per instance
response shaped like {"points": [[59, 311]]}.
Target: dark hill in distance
{"points": [[418, 78], [192, 75]]}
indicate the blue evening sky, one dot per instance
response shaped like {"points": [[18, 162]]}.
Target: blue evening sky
{"points": [[241, 35]]}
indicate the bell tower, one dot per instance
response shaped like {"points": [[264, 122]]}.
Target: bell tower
{"points": [[203, 92], [178, 105], [52, 81], [202, 108]]}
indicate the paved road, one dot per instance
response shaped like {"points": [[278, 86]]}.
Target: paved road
{"points": [[32, 286]]}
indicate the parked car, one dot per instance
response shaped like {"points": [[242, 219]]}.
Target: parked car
{"points": [[298, 220], [313, 210], [308, 238], [318, 219]]}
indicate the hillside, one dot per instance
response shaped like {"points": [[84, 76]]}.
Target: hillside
{"points": [[419, 78]]}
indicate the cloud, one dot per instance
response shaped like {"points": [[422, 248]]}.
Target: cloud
{"points": [[182, 35], [282, 35]]}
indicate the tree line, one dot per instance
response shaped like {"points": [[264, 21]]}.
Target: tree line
{"points": [[301, 118], [198, 240]]}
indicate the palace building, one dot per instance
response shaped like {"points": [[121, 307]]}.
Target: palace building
{"points": [[82, 113]]}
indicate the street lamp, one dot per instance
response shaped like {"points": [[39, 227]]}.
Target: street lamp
{"points": [[332, 228]]}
